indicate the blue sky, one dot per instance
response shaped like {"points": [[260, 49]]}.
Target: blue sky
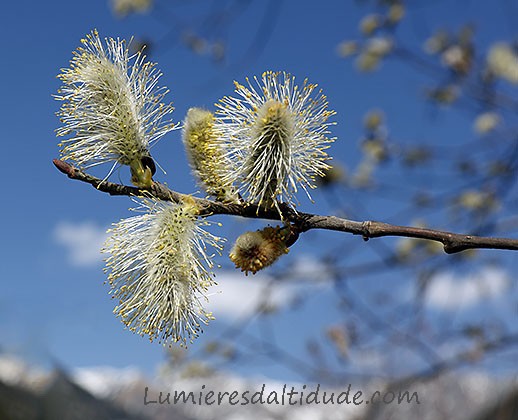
{"points": [[54, 306]]}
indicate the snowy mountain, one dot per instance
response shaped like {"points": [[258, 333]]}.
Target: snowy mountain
{"points": [[99, 393]]}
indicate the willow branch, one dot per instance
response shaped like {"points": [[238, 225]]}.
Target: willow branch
{"points": [[302, 222]]}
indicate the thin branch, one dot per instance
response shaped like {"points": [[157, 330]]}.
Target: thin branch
{"points": [[302, 222]]}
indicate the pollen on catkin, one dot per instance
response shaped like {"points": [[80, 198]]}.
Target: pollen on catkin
{"points": [[276, 135], [112, 109], [159, 271], [207, 158], [254, 251], [269, 159]]}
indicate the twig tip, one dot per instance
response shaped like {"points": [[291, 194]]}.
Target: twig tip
{"points": [[64, 167]]}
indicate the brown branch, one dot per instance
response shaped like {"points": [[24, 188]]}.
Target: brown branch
{"points": [[302, 222]]}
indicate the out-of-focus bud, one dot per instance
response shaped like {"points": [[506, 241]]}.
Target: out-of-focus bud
{"points": [[334, 175], [371, 55], [486, 122], [338, 336], [373, 119], [437, 43], [347, 48], [502, 61], [457, 58], [123, 8], [375, 149], [195, 43], [478, 201], [395, 13], [444, 95], [370, 23]]}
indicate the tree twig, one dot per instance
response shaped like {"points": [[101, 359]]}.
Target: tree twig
{"points": [[452, 242]]}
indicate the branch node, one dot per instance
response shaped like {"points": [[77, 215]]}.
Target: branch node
{"points": [[366, 233]]}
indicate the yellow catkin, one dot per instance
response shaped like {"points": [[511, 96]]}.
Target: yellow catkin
{"points": [[205, 154], [254, 251]]}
